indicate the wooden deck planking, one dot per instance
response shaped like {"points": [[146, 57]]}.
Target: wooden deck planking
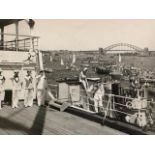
{"points": [[79, 125], [3, 132], [50, 125], [44, 120], [14, 125]]}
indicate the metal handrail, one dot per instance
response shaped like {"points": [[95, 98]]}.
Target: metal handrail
{"points": [[23, 44], [20, 35]]}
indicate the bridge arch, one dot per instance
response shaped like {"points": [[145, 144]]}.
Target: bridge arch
{"points": [[123, 47]]}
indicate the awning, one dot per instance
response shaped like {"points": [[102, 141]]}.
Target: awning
{"points": [[6, 22]]}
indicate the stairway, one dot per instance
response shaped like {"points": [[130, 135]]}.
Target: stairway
{"points": [[62, 106]]}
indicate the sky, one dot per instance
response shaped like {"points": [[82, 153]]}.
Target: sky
{"points": [[90, 34]]}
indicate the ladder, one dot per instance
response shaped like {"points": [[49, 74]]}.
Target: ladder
{"points": [[62, 106]]}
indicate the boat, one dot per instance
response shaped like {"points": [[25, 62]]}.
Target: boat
{"points": [[103, 70], [116, 75], [68, 91], [147, 80]]}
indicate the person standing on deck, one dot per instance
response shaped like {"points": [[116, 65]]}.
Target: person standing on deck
{"points": [[98, 97], [2, 90], [17, 85], [84, 83], [29, 90], [41, 88], [83, 78]]}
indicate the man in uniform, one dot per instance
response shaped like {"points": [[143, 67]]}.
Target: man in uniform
{"points": [[98, 97], [41, 88], [17, 85], [29, 89], [2, 90], [84, 82], [83, 78]]}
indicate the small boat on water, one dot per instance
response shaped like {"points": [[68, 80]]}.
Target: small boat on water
{"points": [[116, 75], [103, 70], [145, 80]]}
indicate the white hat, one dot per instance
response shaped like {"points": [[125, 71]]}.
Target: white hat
{"points": [[85, 69]]}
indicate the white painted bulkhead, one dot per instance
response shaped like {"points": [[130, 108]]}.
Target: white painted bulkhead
{"points": [[15, 60]]}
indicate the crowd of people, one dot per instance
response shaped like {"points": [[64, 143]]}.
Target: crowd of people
{"points": [[29, 84]]}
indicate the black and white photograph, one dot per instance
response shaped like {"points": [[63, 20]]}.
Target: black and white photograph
{"points": [[77, 77]]}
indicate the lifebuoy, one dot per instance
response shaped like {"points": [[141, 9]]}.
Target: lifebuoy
{"points": [[33, 52], [129, 105]]}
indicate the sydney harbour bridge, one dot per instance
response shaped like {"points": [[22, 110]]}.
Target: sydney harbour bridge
{"points": [[123, 48]]}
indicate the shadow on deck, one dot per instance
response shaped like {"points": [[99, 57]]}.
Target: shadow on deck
{"points": [[7, 124], [44, 120], [38, 124]]}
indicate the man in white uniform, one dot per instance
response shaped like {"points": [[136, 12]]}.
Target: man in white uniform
{"points": [[41, 88], [98, 97], [2, 89], [29, 89], [83, 78], [17, 85]]}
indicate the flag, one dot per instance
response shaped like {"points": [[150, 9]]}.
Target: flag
{"points": [[119, 59], [62, 62], [74, 59], [51, 58]]}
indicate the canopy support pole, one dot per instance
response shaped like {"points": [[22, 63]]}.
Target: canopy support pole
{"points": [[2, 38], [17, 35]]}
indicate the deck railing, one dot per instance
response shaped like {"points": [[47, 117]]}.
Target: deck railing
{"points": [[136, 111], [20, 43]]}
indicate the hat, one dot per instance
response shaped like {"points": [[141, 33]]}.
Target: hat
{"points": [[85, 69], [99, 81], [16, 71], [41, 71]]}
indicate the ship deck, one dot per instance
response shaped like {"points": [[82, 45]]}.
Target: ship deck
{"points": [[47, 121]]}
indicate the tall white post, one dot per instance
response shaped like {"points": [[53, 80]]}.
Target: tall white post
{"points": [[41, 60], [17, 35]]}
